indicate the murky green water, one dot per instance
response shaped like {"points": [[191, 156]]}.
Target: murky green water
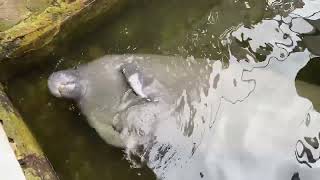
{"points": [[154, 26]]}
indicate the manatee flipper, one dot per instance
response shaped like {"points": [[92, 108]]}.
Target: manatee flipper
{"points": [[137, 80]]}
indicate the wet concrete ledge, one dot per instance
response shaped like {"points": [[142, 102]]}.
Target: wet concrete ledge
{"points": [[34, 163], [42, 32]]}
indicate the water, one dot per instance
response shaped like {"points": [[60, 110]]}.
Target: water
{"points": [[261, 127]]}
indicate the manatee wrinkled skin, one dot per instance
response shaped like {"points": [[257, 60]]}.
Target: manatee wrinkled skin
{"points": [[116, 90]]}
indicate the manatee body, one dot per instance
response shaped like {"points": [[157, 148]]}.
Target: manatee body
{"points": [[116, 89]]}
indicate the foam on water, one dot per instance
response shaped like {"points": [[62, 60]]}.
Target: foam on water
{"points": [[250, 124]]}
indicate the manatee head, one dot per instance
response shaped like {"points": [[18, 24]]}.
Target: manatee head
{"points": [[66, 84]]}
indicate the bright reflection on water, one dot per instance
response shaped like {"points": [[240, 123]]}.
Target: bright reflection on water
{"points": [[253, 125], [248, 123]]}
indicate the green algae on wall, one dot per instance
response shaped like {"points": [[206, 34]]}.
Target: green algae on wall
{"points": [[59, 19], [29, 154]]}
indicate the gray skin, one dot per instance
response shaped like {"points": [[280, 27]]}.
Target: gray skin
{"points": [[115, 88]]}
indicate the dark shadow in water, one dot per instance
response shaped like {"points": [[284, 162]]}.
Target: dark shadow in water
{"points": [[309, 73], [310, 78]]}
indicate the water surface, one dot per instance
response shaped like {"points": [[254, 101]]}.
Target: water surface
{"points": [[259, 123]]}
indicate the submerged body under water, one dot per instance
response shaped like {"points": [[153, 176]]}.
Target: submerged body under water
{"points": [[250, 123]]}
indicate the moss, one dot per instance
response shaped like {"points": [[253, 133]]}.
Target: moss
{"points": [[12, 12], [28, 152], [5, 25], [30, 41], [37, 5], [37, 30]]}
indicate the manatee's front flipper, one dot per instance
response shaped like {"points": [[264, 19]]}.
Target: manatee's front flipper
{"points": [[137, 80]]}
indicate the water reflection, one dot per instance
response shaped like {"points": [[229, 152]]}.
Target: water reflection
{"points": [[251, 124]]}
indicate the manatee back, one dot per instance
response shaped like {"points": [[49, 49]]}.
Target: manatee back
{"points": [[173, 75], [106, 84], [105, 87]]}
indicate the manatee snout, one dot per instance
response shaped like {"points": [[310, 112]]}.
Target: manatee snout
{"points": [[66, 84]]}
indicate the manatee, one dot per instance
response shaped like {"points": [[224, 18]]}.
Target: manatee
{"points": [[203, 117], [110, 87]]}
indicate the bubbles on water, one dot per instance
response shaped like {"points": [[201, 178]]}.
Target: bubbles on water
{"points": [[283, 7]]}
